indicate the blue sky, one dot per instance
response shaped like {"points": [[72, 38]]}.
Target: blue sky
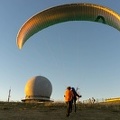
{"points": [[79, 54]]}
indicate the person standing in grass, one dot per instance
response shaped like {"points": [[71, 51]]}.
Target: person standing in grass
{"points": [[68, 97], [74, 99]]}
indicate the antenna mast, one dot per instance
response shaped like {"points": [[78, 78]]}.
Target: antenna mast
{"points": [[9, 94]]}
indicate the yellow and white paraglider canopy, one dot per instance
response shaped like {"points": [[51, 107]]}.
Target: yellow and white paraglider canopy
{"points": [[64, 13]]}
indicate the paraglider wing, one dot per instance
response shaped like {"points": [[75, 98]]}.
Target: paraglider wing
{"points": [[64, 13]]}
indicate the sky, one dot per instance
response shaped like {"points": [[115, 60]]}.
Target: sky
{"points": [[79, 54]]}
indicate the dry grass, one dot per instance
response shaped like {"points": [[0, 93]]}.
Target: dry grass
{"points": [[57, 111]]}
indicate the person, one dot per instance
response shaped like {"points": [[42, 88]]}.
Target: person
{"points": [[74, 98], [68, 97]]}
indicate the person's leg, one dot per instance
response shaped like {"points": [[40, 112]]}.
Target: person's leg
{"points": [[67, 112], [75, 105], [70, 105]]}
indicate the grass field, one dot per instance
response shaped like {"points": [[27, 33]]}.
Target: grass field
{"points": [[57, 111]]}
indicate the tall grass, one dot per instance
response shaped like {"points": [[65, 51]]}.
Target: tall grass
{"points": [[115, 107]]}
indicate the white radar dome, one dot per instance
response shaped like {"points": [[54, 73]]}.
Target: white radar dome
{"points": [[38, 88]]}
